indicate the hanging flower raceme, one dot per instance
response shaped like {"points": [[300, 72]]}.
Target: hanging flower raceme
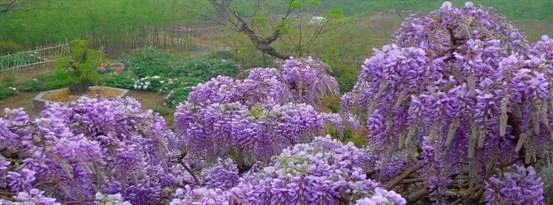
{"points": [[256, 133], [308, 80], [461, 87], [450, 27], [73, 151], [298, 80], [520, 186], [253, 119]]}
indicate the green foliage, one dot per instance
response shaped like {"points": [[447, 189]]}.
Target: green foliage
{"points": [[161, 110], [244, 51], [124, 79], [6, 92], [514, 9], [177, 96], [7, 47], [6, 88], [181, 82], [161, 71], [31, 86], [226, 55], [82, 64], [36, 22], [257, 112], [149, 62], [346, 78], [175, 89], [205, 68], [48, 82], [8, 80]]}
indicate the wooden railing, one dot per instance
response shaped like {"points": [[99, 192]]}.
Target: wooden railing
{"points": [[33, 58]]}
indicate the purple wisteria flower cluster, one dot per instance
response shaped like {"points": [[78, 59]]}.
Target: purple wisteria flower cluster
{"points": [[297, 80], [253, 133], [323, 171], [253, 119], [74, 151], [521, 186], [33, 196], [457, 110], [462, 91]]}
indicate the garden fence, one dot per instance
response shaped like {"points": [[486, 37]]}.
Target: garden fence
{"points": [[189, 39], [36, 58]]}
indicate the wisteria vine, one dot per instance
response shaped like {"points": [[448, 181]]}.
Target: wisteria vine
{"points": [[457, 110], [463, 92]]}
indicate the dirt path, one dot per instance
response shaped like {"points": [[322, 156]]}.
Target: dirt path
{"points": [[22, 99], [29, 73]]}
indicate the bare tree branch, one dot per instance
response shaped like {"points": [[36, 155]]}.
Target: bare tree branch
{"points": [[180, 160], [277, 32], [222, 7], [397, 179], [262, 44], [418, 194]]}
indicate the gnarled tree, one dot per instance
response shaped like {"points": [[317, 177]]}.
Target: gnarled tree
{"points": [[264, 41]]}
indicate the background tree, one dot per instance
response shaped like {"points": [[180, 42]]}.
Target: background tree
{"points": [[264, 26]]}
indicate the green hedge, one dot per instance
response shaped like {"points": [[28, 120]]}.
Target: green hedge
{"points": [[165, 72], [147, 62]]}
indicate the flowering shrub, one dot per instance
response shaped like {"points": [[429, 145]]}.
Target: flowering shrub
{"points": [[176, 90], [256, 133], [521, 186], [152, 70], [147, 62], [114, 68], [466, 88], [71, 152], [298, 80], [125, 79]]}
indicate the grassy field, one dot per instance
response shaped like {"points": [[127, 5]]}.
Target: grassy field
{"points": [[514, 9], [40, 21], [36, 22]]}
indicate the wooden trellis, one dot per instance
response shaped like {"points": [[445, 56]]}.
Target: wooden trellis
{"points": [[33, 58]]}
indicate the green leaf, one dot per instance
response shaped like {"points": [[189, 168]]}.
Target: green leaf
{"points": [[296, 5], [314, 2], [259, 20], [334, 13], [285, 29]]}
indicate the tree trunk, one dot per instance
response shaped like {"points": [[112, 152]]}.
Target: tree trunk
{"points": [[79, 88]]}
